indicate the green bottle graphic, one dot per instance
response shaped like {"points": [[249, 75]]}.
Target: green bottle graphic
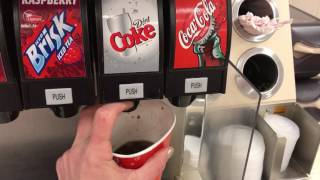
{"points": [[215, 50]]}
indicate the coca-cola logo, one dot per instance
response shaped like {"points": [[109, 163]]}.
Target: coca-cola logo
{"points": [[31, 17], [140, 32], [200, 24]]}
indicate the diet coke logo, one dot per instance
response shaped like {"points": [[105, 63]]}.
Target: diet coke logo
{"points": [[121, 42], [200, 24], [127, 34], [31, 17]]}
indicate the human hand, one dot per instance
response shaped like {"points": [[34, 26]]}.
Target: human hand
{"points": [[90, 157]]}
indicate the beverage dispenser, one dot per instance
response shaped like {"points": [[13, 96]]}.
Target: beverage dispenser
{"points": [[52, 42], [129, 49], [10, 102], [199, 34]]}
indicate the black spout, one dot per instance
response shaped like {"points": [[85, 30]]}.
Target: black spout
{"points": [[66, 111], [6, 117], [182, 101], [135, 106]]}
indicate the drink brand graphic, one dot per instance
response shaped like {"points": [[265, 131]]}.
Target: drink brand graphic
{"points": [[3, 77], [140, 31], [198, 25], [121, 24], [52, 39], [201, 31], [131, 36]]}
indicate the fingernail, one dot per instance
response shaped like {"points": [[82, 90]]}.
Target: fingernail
{"points": [[170, 152]]}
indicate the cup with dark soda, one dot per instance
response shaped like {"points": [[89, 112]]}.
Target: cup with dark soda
{"points": [[138, 135]]}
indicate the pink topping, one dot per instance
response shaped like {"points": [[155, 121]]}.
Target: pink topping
{"points": [[256, 25]]}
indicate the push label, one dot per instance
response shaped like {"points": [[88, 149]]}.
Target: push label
{"points": [[58, 96]]}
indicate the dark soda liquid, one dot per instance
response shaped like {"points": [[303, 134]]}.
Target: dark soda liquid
{"points": [[133, 147]]}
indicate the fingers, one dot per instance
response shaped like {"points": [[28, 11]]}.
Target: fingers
{"points": [[85, 124], [62, 167], [103, 123], [155, 165], [59, 169]]}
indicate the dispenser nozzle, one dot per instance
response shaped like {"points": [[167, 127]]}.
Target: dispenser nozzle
{"points": [[65, 111], [6, 117], [182, 101]]}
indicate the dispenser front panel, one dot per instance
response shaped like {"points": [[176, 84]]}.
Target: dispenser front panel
{"points": [[201, 34], [52, 39], [3, 77], [130, 36]]}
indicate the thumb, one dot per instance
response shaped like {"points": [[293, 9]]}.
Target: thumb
{"points": [[155, 166]]}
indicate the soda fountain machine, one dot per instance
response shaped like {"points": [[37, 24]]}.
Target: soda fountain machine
{"points": [[52, 41], [198, 48], [10, 102], [129, 49]]}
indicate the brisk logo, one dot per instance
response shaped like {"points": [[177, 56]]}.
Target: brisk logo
{"points": [[49, 41]]}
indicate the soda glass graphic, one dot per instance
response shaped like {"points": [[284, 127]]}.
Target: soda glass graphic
{"points": [[121, 23]]}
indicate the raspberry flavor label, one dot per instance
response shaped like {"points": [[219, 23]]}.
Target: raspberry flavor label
{"points": [[3, 77], [201, 34], [130, 36], [52, 39]]}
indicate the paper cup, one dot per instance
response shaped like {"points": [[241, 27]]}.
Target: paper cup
{"points": [[153, 121]]}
